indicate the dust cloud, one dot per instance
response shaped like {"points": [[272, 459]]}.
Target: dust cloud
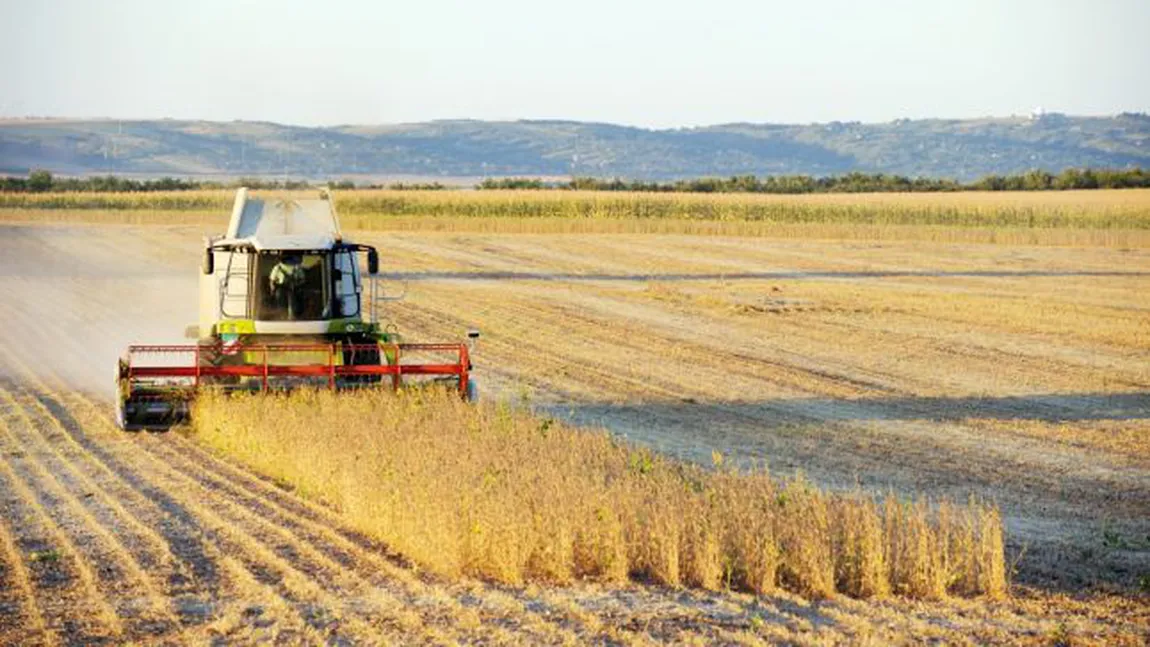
{"points": [[74, 297]]}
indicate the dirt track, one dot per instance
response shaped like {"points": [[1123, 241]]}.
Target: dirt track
{"points": [[850, 362]]}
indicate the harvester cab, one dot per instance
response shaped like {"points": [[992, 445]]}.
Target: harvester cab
{"points": [[284, 270], [283, 304]]}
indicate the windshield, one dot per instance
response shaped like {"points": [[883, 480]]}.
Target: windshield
{"points": [[292, 286]]}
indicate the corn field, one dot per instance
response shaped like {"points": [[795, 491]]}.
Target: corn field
{"points": [[1102, 209]]}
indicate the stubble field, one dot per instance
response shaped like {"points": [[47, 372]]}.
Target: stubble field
{"points": [[1016, 373]]}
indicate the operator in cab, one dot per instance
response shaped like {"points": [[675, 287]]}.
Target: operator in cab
{"points": [[285, 282]]}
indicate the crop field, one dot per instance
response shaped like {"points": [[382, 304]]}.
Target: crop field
{"points": [[1000, 359], [490, 492], [1113, 218]]}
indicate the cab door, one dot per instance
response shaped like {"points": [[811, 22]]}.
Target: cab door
{"points": [[346, 279]]}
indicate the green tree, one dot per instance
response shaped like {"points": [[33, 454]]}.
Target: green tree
{"points": [[39, 181], [1037, 180]]}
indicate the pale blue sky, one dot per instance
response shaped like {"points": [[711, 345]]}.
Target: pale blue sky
{"points": [[656, 64]]}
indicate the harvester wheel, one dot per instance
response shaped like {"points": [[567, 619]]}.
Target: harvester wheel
{"points": [[472, 390], [370, 357]]}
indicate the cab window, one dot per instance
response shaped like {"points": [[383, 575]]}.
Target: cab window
{"points": [[292, 286]]}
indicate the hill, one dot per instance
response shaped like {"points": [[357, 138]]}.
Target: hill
{"points": [[960, 149]]}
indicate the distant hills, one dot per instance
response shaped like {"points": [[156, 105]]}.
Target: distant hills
{"points": [[961, 149]]}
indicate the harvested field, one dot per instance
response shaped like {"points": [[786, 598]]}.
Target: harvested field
{"points": [[1019, 374]]}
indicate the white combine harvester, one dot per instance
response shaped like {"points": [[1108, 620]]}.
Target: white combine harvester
{"points": [[283, 304]]}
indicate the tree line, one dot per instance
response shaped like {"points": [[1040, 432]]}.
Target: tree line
{"points": [[41, 181], [848, 183]]}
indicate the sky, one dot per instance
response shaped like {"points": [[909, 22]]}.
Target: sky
{"points": [[657, 64]]}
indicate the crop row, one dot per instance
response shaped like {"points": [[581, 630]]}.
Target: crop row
{"points": [[504, 495]]}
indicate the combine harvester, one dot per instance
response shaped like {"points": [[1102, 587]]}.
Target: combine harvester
{"points": [[282, 306]]}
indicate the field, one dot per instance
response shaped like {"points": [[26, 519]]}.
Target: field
{"points": [[488, 491], [1007, 360]]}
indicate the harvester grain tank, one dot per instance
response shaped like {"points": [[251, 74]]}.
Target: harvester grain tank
{"points": [[283, 304]]}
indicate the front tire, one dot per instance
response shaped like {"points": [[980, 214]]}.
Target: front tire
{"points": [[363, 357]]}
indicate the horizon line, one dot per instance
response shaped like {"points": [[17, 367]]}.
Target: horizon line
{"points": [[1033, 115]]}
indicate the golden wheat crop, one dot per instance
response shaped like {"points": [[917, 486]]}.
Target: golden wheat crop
{"points": [[498, 493]]}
